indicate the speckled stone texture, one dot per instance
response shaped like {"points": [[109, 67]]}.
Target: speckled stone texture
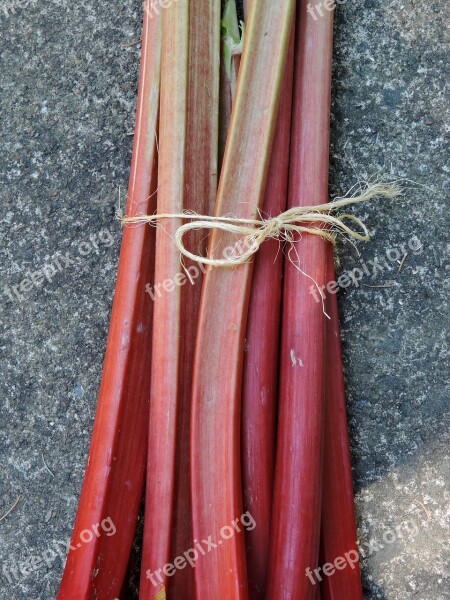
{"points": [[68, 95]]}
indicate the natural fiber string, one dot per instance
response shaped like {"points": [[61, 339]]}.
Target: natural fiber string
{"points": [[315, 220]]}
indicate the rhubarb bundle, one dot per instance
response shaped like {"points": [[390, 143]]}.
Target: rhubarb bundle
{"points": [[222, 399]]}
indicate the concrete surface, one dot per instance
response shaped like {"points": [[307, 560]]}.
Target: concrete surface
{"points": [[68, 97]]}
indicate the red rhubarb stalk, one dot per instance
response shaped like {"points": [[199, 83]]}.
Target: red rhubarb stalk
{"points": [[260, 376], [113, 483], [297, 490], [338, 529], [216, 472]]}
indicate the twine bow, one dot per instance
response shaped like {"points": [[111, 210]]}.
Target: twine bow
{"points": [[315, 220]]}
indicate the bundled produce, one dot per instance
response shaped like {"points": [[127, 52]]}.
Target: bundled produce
{"points": [[222, 397]]}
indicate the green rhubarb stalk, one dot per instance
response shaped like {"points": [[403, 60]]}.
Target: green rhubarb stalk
{"points": [[231, 50]]}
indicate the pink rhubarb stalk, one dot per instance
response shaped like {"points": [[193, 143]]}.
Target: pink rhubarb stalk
{"points": [[187, 180], [260, 378], [201, 177], [166, 365], [297, 490], [216, 472]]}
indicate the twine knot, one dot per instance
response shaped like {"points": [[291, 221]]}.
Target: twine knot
{"points": [[315, 220]]}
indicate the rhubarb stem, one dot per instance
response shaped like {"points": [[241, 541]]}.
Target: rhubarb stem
{"points": [[231, 49], [216, 473], [260, 379], [114, 478], [297, 492], [338, 529], [188, 180], [166, 359], [200, 188]]}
